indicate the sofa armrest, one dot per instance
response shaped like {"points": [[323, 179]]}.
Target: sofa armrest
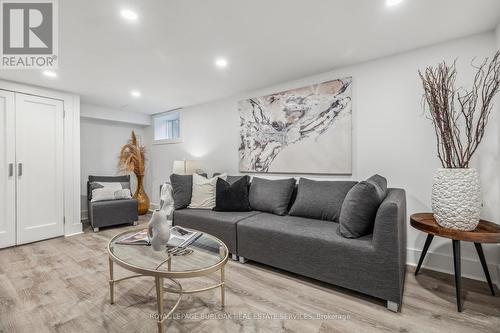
{"points": [[389, 233], [390, 223]]}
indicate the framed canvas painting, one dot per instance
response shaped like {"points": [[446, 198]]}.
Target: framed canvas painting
{"points": [[304, 130]]}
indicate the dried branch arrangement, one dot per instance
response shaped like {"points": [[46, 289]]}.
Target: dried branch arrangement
{"points": [[460, 116], [132, 157]]}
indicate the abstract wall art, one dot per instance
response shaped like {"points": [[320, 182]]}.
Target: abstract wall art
{"points": [[305, 130]]}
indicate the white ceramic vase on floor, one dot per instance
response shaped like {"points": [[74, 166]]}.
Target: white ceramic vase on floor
{"points": [[456, 198]]}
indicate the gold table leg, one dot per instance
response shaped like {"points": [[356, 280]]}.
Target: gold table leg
{"points": [[159, 301], [222, 287], [111, 283]]}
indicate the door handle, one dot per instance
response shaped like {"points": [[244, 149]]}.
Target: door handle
{"points": [[19, 169], [11, 169]]}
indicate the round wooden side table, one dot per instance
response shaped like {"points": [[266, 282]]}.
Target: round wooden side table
{"points": [[485, 232]]}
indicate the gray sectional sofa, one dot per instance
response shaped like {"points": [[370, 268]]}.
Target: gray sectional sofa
{"points": [[373, 264]]}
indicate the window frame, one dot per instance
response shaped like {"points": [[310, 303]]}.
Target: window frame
{"points": [[167, 141]]}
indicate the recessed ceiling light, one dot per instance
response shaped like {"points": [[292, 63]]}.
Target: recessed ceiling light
{"points": [[129, 15], [221, 62], [391, 3], [135, 93], [50, 73]]}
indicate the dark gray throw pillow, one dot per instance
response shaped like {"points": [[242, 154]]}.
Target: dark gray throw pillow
{"points": [[182, 188], [271, 196], [360, 206], [233, 179], [232, 197], [320, 200]]}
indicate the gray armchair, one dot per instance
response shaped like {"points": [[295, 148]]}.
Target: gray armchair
{"points": [[111, 212]]}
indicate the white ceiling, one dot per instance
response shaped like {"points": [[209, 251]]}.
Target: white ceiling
{"points": [[169, 53]]}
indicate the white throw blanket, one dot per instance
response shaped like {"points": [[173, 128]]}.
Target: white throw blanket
{"points": [[167, 201]]}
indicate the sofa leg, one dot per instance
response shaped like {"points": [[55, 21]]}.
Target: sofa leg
{"points": [[393, 306], [234, 257], [135, 223], [96, 229], [242, 260]]}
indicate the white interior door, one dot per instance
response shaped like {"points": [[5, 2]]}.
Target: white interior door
{"points": [[7, 170], [39, 158]]}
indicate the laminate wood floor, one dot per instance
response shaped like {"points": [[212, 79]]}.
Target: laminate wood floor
{"points": [[61, 285]]}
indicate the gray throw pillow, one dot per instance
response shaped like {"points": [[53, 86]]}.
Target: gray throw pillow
{"points": [[360, 207], [182, 188], [271, 196], [320, 200]]}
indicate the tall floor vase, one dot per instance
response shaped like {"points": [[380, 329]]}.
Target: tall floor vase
{"points": [[141, 196]]}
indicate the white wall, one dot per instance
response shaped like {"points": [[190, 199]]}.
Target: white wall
{"points": [[391, 136], [101, 141]]}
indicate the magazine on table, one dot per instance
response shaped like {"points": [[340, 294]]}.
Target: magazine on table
{"points": [[138, 238], [181, 238]]}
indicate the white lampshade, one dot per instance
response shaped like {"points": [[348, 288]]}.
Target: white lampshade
{"points": [[185, 167]]}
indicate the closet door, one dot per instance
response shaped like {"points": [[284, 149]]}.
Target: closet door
{"points": [[7, 170], [39, 158]]}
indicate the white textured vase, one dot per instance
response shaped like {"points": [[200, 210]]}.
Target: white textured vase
{"points": [[456, 198], [159, 230]]}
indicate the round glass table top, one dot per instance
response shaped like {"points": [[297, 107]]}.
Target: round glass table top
{"points": [[207, 253]]}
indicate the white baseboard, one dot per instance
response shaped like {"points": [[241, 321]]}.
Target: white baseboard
{"points": [[84, 215], [443, 263], [73, 229]]}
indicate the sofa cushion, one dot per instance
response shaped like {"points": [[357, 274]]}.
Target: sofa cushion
{"points": [[288, 241], [232, 197], [316, 249], [360, 206], [106, 213], [272, 196], [320, 200], [219, 224]]}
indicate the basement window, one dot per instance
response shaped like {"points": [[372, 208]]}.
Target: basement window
{"points": [[167, 127]]}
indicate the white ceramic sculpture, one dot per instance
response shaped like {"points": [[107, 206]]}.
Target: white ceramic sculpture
{"points": [[167, 201], [456, 198], [159, 230]]}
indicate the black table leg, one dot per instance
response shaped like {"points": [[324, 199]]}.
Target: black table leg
{"points": [[428, 241], [480, 253], [456, 259]]}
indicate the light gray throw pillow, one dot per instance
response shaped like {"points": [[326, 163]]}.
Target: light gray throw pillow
{"points": [[320, 200], [272, 196], [360, 207]]}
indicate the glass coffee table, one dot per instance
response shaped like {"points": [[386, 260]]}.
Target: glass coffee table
{"points": [[208, 255]]}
